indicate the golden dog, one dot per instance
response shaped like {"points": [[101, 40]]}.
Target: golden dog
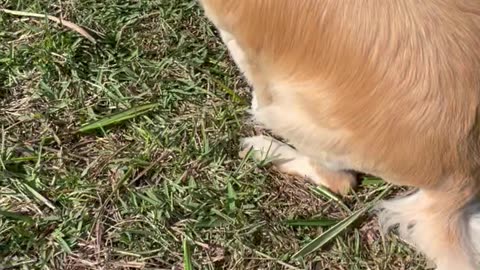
{"points": [[386, 87]]}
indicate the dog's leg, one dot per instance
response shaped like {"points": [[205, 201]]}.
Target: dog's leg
{"points": [[260, 94], [439, 223]]}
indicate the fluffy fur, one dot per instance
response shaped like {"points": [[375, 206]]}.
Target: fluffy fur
{"points": [[386, 87]]}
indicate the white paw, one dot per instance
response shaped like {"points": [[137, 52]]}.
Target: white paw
{"points": [[254, 105], [288, 160], [475, 231], [264, 148]]}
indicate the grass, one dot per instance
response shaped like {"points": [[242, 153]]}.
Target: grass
{"points": [[123, 154]]}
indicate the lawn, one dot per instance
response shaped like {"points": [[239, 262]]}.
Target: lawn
{"points": [[122, 153]]}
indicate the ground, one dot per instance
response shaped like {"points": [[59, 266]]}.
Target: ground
{"points": [[123, 154]]}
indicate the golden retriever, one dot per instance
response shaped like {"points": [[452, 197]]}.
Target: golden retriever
{"points": [[385, 87]]}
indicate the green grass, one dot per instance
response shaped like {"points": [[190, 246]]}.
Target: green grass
{"points": [[123, 154]]}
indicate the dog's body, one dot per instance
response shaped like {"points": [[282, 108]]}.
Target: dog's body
{"points": [[386, 87]]}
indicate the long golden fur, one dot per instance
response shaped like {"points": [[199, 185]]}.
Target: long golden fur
{"points": [[386, 87]]}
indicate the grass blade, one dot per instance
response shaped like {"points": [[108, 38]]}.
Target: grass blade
{"points": [[37, 195], [118, 117], [12, 215], [369, 181], [187, 255], [63, 244], [229, 91], [311, 222], [330, 234], [337, 229], [231, 197], [222, 215], [18, 160], [59, 236], [324, 192], [65, 23]]}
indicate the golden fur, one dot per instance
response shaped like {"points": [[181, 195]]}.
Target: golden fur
{"points": [[385, 87]]}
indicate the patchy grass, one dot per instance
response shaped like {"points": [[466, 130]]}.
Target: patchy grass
{"points": [[123, 154]]}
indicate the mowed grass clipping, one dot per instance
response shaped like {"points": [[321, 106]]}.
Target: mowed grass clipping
{"points": [[122, 153]]}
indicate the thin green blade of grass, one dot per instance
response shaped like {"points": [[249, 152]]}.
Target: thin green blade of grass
{"points": [[148, 199], [337, 229], [231, 197], [213, 223], [330, 234], [38, 196], [12, 215], [222, 215], [118, 117], [187, 255], [18, 160], [2, 146], [64, 245], [324, 192], [229, 91], [311, 222], [369, 181]]}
